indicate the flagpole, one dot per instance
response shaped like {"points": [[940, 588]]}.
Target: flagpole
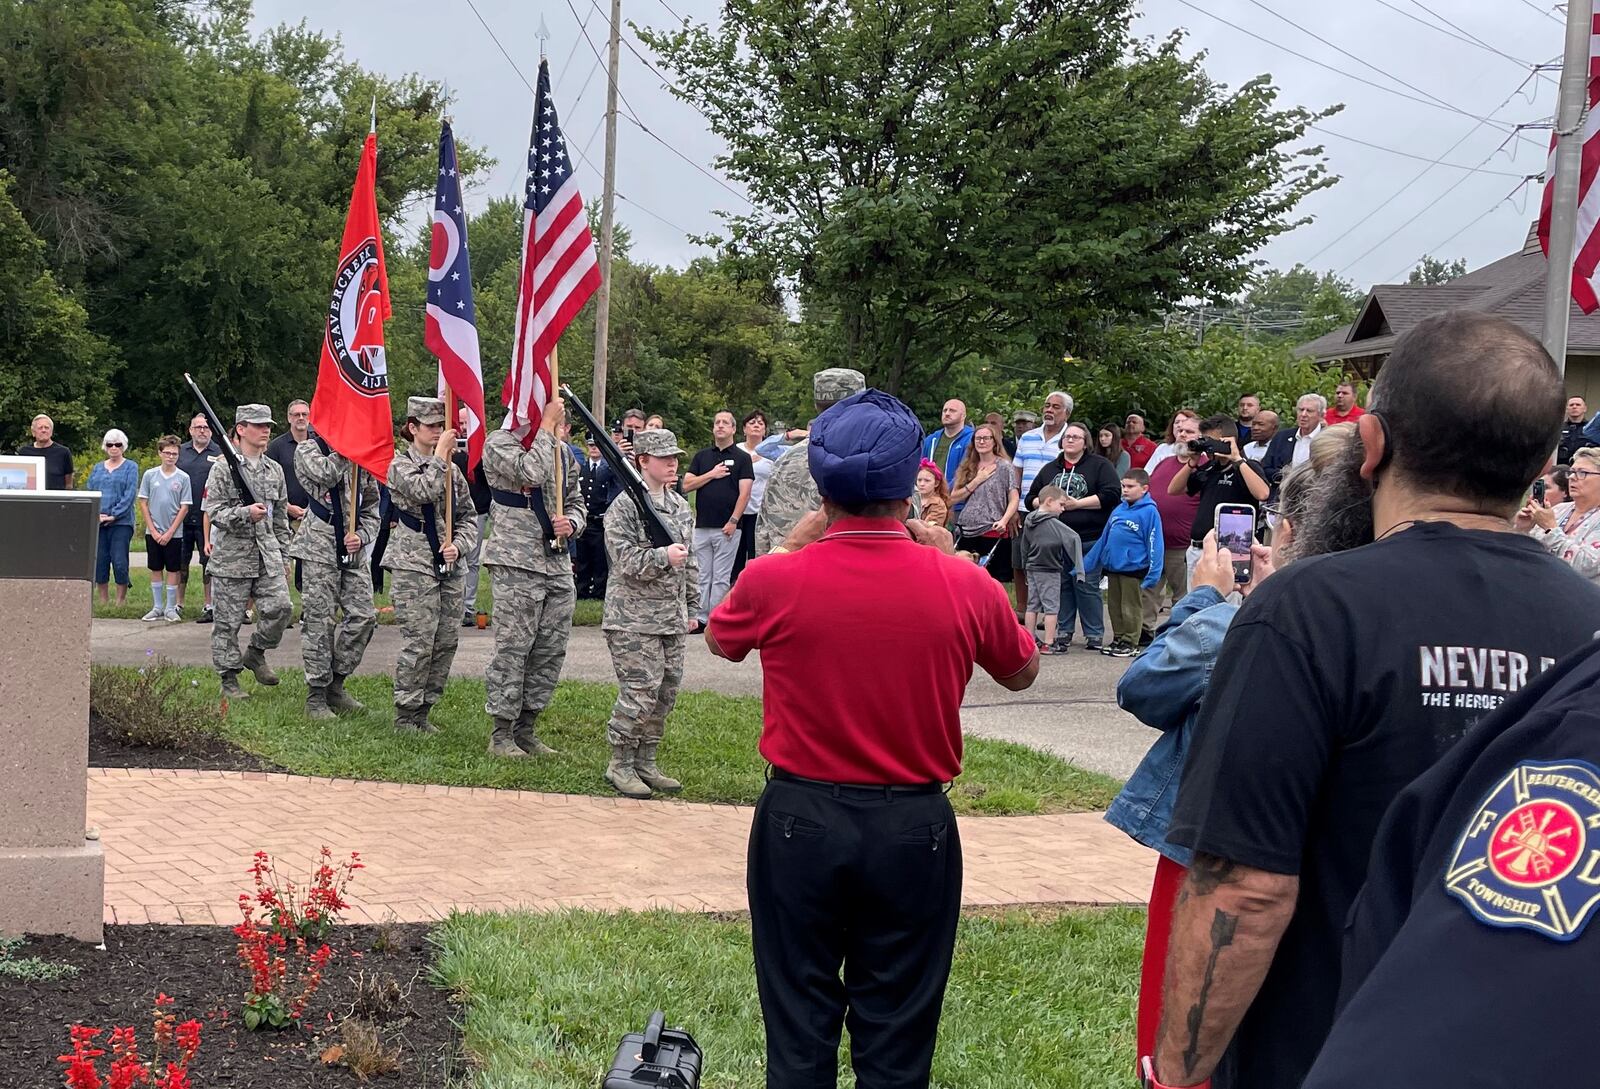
{"points": [[608, 206], [555, 386], [450, 415], [1570, 109]]}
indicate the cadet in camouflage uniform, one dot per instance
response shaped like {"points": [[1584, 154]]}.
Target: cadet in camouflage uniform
{"points": [[427, 607], [534, 592], [791, 493], [247, 553], [332, 657], [651, 598]]}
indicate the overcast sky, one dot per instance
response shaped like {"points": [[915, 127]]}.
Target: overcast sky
{"points": [[1371, 227]]}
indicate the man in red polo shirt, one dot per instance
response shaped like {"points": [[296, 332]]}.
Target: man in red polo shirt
{"points": [[854, 861], [1344, 408]]}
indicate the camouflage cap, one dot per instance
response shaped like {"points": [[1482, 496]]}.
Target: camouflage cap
{"points": [[658, 442], [837, 383], [428, 410], [253, 414], [1025, 415]]}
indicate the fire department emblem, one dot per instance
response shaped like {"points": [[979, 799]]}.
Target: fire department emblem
{"points": [[354, 317], [1526, 858]]}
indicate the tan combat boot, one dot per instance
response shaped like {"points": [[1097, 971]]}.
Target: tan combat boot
{"points": [[339, 699], [256, 662], [317, 704], [527, 740], [620, 773], [654, 777], [500, 739]]}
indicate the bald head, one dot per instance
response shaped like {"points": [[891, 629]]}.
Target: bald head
{"points": [[1473, 406], [954, 416]]}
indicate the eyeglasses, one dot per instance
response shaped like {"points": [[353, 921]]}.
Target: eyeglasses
{"points": [[109, 445], [1272, 510], [1582, 472], [983, 438]]}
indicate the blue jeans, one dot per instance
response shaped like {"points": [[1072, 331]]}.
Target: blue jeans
{"points": [[1081, 601], [111, 555]]}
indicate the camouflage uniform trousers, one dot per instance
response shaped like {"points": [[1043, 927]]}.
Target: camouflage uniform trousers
{"points": [[533, 620], [229, 596], [649, 672], [329, 649], [428, 611]]}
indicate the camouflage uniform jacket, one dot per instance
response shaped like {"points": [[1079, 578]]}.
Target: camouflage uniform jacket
{"points": [[318, 473], [519, 540], [241, 545], [415, 480], [645, 593], [791, 495]]}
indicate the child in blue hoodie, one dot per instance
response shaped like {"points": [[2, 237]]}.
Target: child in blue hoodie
{"points": [[1129, 551]]}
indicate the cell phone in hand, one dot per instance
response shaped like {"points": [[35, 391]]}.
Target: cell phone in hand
{"points": [[1236, 532], [1538, 490]]}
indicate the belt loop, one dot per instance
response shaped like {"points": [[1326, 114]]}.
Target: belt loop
{"points": [[888, 793], [836, 792]]}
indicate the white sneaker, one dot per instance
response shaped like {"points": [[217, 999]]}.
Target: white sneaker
{"points": [[153, 614], [172, 616]]}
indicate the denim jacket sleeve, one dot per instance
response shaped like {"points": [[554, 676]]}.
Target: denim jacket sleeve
{"points": [[1163, 686]]}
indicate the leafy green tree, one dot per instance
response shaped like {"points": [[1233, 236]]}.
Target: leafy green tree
{"points": [[1318, 302], [49, 360], [978, 178], [1433, 270]]}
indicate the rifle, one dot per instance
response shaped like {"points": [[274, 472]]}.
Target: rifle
{"points": [[654, 528], [229, 454]]}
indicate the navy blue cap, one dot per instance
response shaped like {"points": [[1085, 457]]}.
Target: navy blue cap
{"points": [[865, 448]]}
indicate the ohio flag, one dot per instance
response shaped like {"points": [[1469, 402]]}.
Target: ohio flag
{"points": [[450, 328]]}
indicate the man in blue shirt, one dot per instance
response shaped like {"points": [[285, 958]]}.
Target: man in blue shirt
{"points": [[948, 445]]}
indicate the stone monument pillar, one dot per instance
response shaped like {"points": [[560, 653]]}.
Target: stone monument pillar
{"points": [[52, 878]]}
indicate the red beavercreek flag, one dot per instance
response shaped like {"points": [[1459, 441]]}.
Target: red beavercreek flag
{"points": [[351, 406]]}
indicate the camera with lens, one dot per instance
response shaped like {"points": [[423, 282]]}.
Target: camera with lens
{"points": [[1213, 447]]}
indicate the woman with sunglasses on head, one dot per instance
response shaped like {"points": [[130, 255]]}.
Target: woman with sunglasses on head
{"points": [[985, 497], [1571, 530], [117, 480]]}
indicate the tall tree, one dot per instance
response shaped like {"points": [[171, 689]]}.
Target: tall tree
{"points": [[1434, 270], [983, 176], [1314, 301]]}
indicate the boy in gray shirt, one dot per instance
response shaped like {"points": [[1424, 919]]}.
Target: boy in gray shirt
{"points": [[1048, 546], [165, 496]]}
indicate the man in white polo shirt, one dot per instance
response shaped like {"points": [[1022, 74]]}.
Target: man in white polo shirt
{"points": [[1035, 450]]}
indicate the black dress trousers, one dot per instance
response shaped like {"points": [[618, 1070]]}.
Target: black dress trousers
{"points": [[591, 567], [863, 880]]}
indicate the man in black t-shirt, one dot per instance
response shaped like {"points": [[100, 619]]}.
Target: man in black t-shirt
{"points": [[721, 477], [196, 457], [1378, 659], [1217, 478], [57, 458], [281, 450]]}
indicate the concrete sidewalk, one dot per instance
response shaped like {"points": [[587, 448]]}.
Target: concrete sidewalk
{"points": [[178, 848], [1071, 710]]}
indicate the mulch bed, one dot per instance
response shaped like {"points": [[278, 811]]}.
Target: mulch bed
{"points": [[198, 967], [108, 748]]}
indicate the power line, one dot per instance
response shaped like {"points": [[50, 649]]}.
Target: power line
{"points": [[1462, 30], [566, 64], [1542, 11], [1503, 126], [680, 18], [1413, 155], [1348, 231], [632, 115], [1365, 63], [1473, 223], [1451, 34]]}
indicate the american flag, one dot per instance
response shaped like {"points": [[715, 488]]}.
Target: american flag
{"points": [[450, 328], [1586, 246], [559, 267]]}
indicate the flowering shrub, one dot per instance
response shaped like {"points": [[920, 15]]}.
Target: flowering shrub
{"points": [[311, 914], [290, 920], [127, 1069], [154, 706]]}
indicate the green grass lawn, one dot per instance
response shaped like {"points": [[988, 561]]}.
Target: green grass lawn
{"points": [[587, 613], [1036, 998], [710, 744]]}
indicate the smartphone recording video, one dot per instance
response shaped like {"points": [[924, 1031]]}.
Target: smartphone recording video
{"points": [[1236, 531]]}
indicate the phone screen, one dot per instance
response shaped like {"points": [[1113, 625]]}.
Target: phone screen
{"points": [[1236, 527]]}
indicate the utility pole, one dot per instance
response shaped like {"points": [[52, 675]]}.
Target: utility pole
{"points": [[1570, 109], [608, 212]]}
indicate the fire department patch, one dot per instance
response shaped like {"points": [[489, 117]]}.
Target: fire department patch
{"points": [[1525, 858]]}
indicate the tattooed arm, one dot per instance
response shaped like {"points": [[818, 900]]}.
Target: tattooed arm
{"points": [[1225, 930]]}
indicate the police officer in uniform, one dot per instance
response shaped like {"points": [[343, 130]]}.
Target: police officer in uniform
{"points": [[1471, 954], [532, 578], [247, 555], [333, 655], [855, 860], [651, 598], [791, 492], [595, 480], [429, 580]]}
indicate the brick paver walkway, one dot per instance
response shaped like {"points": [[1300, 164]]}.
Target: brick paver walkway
{"points": [[178, 846]]}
